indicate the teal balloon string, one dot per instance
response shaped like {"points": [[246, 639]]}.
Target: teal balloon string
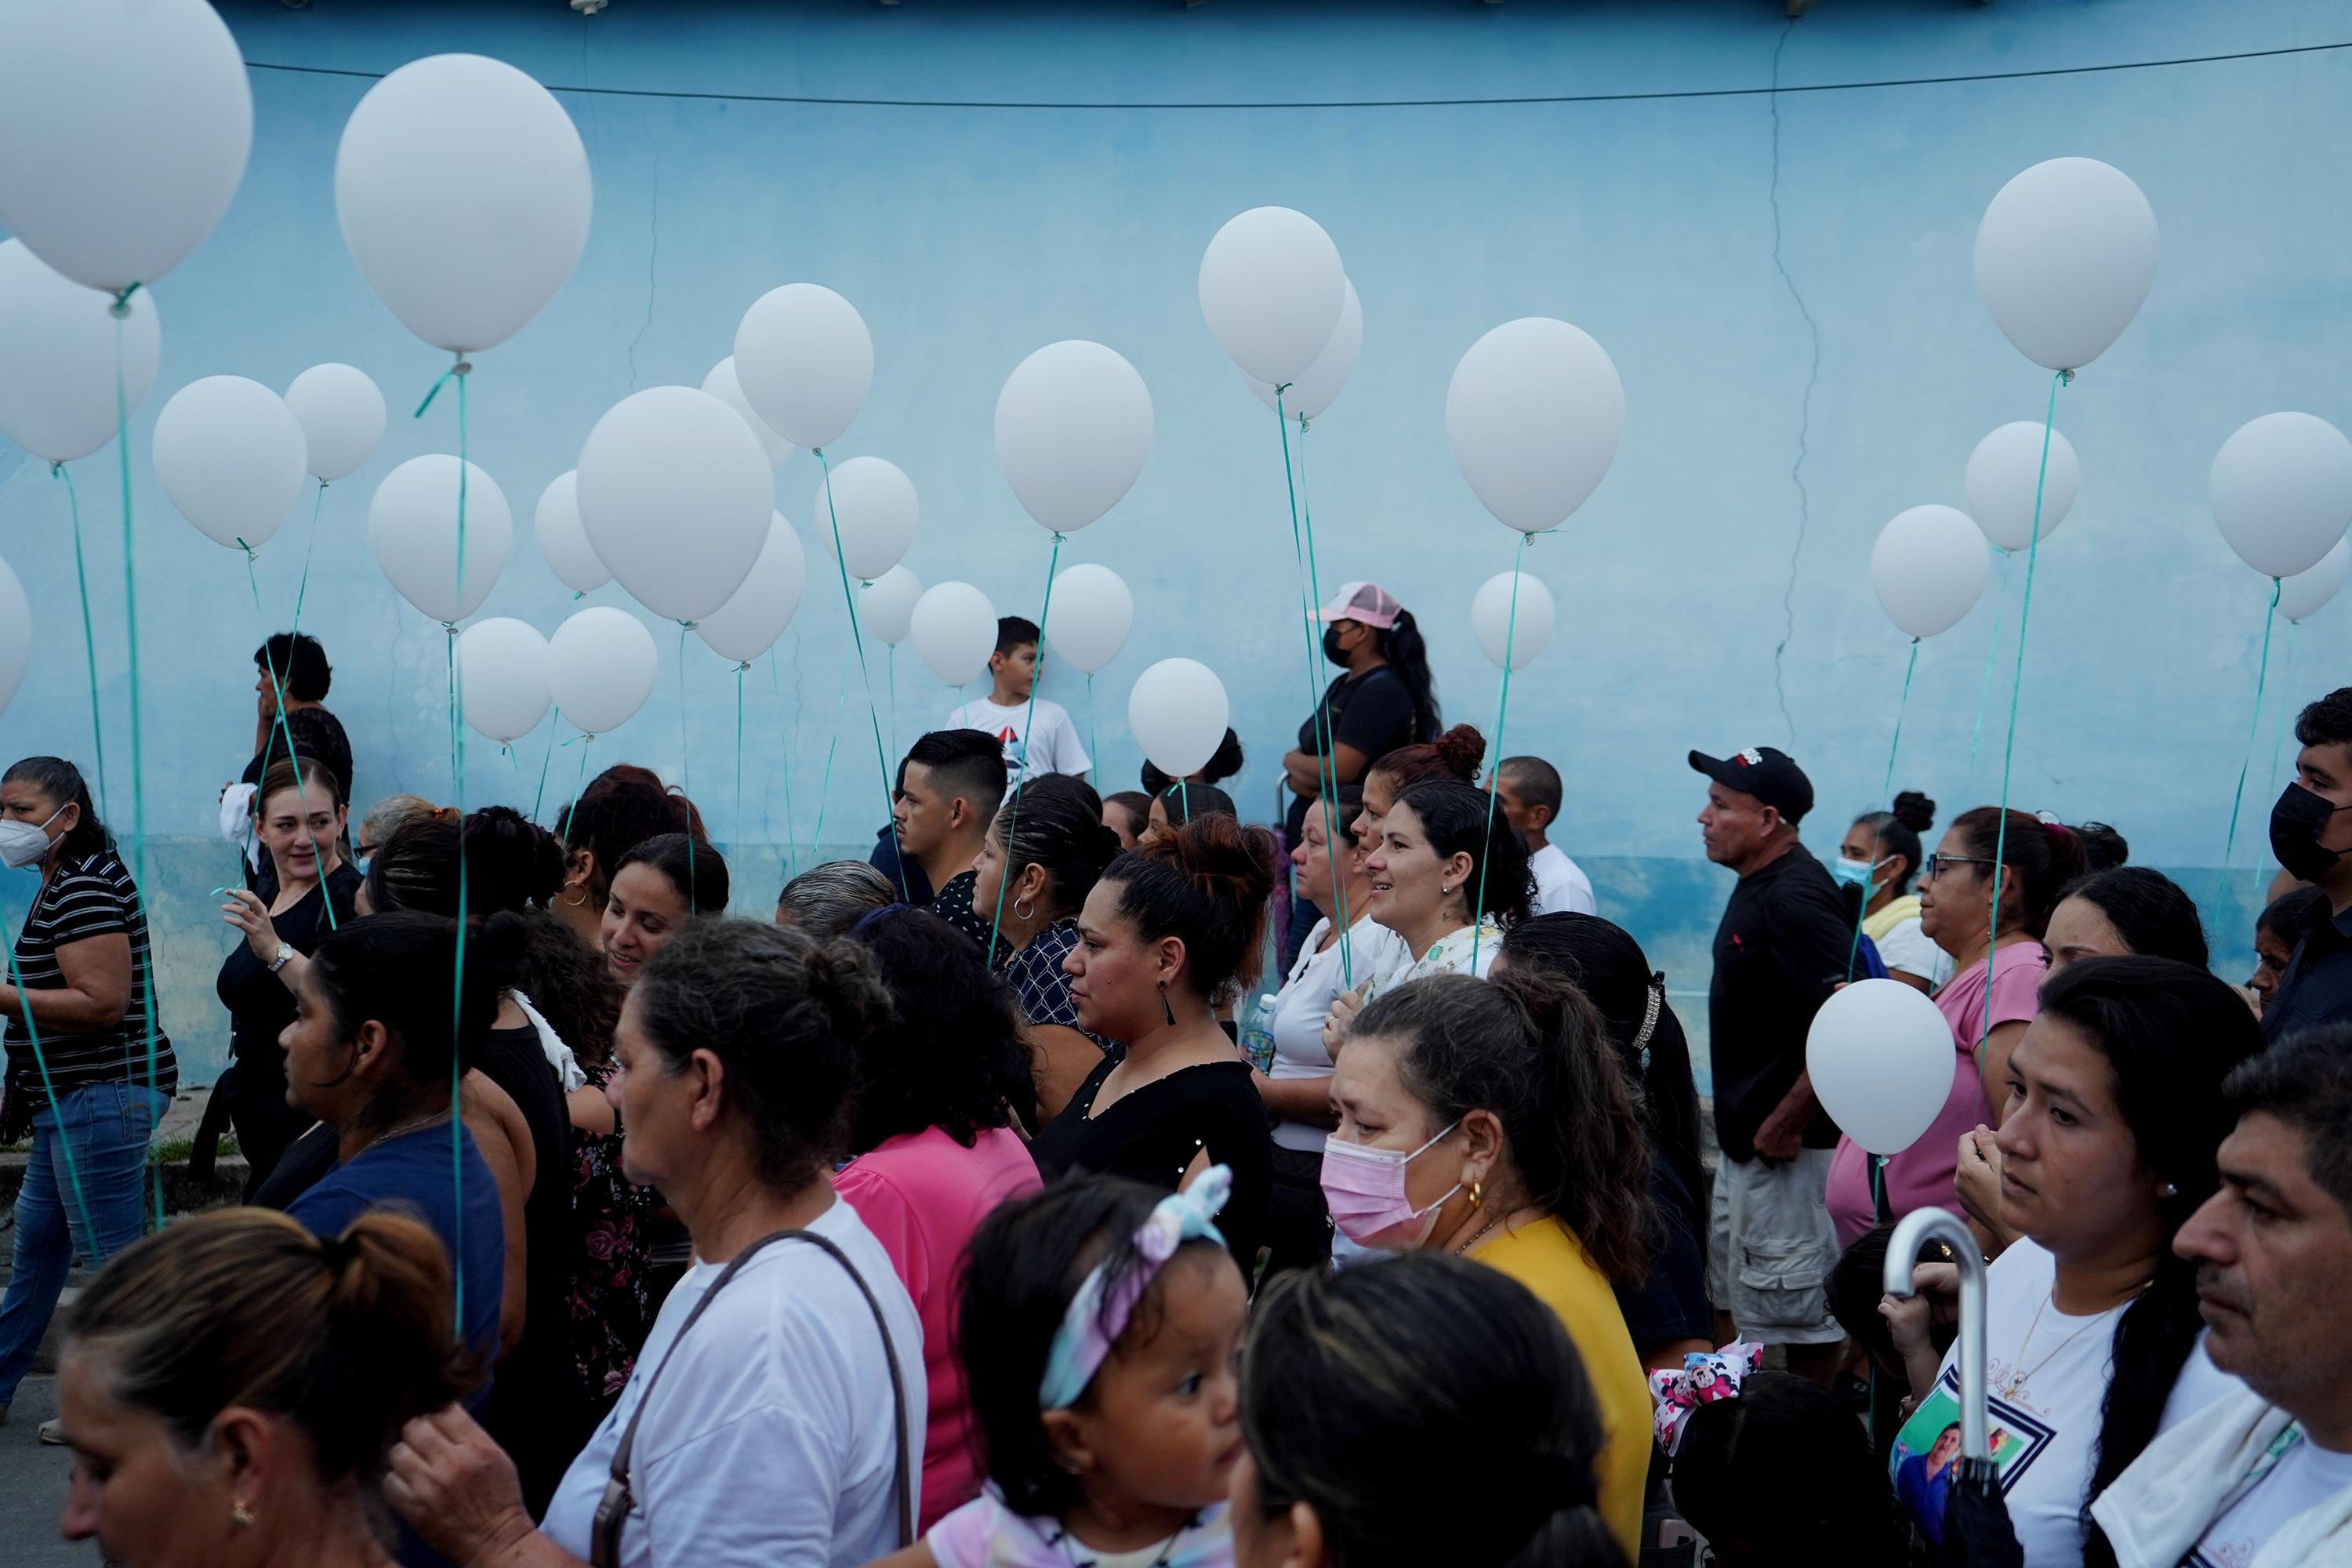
{"points": [[825, 786], [2253, 727], [539, 800], [857, 638], [2278, 743], [49, 1093], [776, 689], [684, 752], [2016, 686], [1028, 733], [1885, 794], [277, 694], [88, 638], [580, 782], [739, 837], [1094, 737], [1495, 768], [1992, 657], [303, 589], [1310, 594], [120, 309]]}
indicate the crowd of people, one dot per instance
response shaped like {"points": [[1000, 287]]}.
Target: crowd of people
{"points": [[972, 1210]]}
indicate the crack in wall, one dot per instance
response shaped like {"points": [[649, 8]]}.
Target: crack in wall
{"points": [[653, 262], [1805, 408]]}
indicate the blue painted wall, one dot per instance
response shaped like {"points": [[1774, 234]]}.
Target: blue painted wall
{"points": [[1783, 280]]}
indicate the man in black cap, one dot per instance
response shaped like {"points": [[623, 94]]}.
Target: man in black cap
{"points": [[1781, 951]]}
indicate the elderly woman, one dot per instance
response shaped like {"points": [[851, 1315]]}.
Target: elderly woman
{"points": [[89, 1071], [826, 900], [233, 1384], [777, 1412]]}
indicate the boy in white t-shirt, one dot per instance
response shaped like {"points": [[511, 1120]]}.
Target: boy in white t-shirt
{"points": [[1038, 735], [1527, 792]]}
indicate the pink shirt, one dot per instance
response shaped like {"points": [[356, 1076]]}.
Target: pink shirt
{"points": [[922, 1194], [1922, 1175]]}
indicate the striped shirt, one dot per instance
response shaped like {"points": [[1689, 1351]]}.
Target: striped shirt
{"points": [[89, 897]]}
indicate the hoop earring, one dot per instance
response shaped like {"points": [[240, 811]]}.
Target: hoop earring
{"points": [[1169, 1013], [1022, 908], [579, 904]]}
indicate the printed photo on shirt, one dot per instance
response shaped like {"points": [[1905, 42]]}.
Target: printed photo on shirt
{"points": [[1927, 1450]]}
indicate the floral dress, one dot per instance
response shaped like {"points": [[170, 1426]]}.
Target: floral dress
{"points": [[612, 1294]]}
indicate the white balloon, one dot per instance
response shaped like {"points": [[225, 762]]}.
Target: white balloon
{"points": [[563, 542], [886, 606], [230, 454], [15, 635], [1534, 415], [126, 125], [57, 358], [1492, 618], [749, 623], [1882, 1062], [873, 506], [722, 384], [805, 362], [1072, 427], [2307, 592], [1321, 381], [1271, 287], [463, 192], [1090, 616], [2004, 474], [1178, 714], [502, 678], [676, 494], [1928, 567], [413, 528], [2282, 492], [601, 666], [954, 628], [2065, 256], [342, 415]]}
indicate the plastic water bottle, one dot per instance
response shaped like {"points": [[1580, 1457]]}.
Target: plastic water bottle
{"points": [[1257, 1033]]}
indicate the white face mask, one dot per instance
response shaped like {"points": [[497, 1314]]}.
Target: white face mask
{"points": [[23, 844]]}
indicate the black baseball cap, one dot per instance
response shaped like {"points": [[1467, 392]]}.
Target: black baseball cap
{"points": [[1768, 775]]}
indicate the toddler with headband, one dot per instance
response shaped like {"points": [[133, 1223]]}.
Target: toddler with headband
{"points": [[1101, 1332]]}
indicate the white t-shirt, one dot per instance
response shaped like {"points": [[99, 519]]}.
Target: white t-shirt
{"points": [[2045, 1382], [1316, 981], [1561, 886], [1914, 951], [1052, 746], [1456, 952], [2304, 1475], [768, 1442]]}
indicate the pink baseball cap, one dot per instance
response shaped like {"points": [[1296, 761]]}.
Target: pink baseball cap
{"points": [[1366, 602]]}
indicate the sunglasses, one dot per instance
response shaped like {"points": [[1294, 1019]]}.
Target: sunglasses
{"points": [[1935, 863]]}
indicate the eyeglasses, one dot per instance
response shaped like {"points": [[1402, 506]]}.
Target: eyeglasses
{"points": [[1935, 863]]}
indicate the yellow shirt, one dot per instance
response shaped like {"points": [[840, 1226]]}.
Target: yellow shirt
{"points": [[1548, 1260]]}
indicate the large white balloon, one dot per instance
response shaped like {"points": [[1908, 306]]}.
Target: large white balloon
{"points": [[126, 125], [342, 415], [1090, 616], [2065, 256], [463, 191], [2282, 492], [1271, 287], [1882, 1062], [749, 623], [676, 495], [1534, 415], [722, 384], [413, 528], [1178, 714], [563, 542], [601, 666], [15, 635], [2307, 592], [1072, 427], [873, 503], [502, 684], [1928, 567], [57, 358], [1492, 618], [2003, 475], [230, 454], [1321, 381], [954, 628], [886, 606], [805, 362]]}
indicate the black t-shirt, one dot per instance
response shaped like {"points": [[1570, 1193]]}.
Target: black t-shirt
{"points": [[259, 1005], [1153, 1133], [2317, 985], [318, 735], [1371, 711], [1672, 1303], [1781, 951]]}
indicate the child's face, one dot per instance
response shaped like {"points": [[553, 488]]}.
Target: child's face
{"points": [[1015, 672], [1163, 1421]]}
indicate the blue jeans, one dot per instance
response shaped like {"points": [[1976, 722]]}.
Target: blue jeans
{"points": [[107, 1126]]}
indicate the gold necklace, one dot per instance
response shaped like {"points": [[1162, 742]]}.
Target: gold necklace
{"points": [[2021, 1372], [418, 1125]]}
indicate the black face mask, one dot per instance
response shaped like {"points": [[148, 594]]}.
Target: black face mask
{"points": [[1332, 646], [2297, 822]]}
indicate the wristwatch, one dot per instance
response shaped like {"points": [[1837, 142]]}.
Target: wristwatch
{"points": [[281, 958]]}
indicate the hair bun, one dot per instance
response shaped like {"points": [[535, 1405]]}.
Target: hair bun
{"points": [[1226, 856], [844, 981], [1462, 749], [1915, 811]]}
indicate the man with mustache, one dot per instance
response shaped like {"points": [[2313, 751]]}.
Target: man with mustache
{"points": [[2262, 1478]]}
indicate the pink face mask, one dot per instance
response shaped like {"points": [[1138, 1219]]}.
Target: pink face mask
{"points": [[1364, 1188]]}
